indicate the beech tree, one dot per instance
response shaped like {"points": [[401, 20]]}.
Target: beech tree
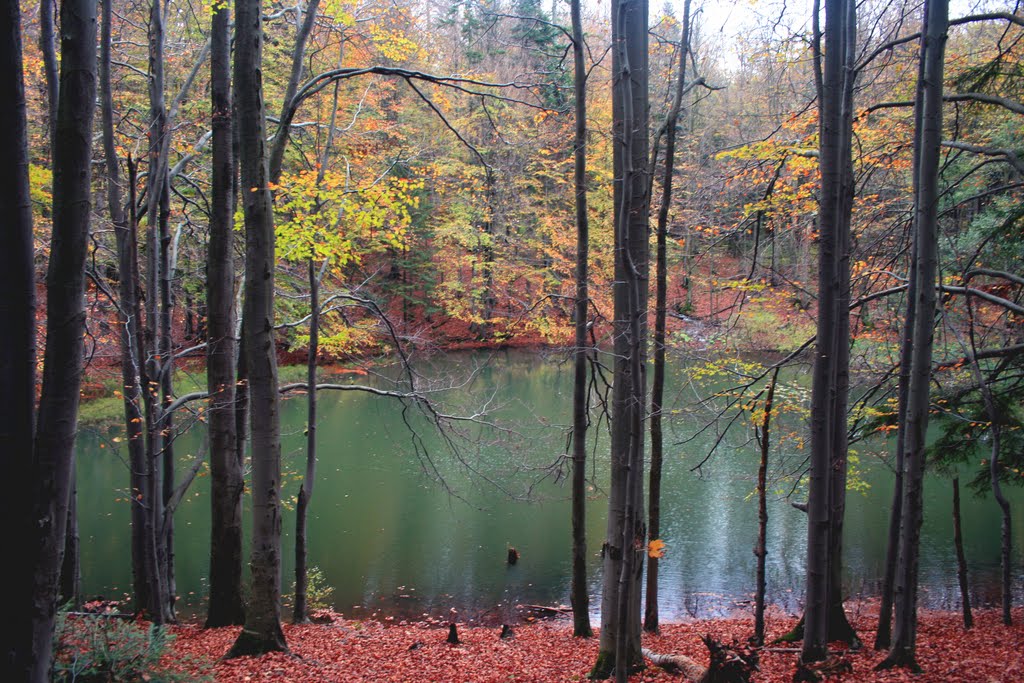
{"points": [[625, 543], [17, 346], [48, 461], [824, 619], [579, 597], [928, 139], [226, 477], [660, 314], [262, 630]]}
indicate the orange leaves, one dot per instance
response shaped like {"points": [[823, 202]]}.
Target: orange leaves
{"points": [[656, 549], [546, 652]]}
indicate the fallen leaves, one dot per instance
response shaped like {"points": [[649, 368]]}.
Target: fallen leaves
{"points": [[355, 651]]}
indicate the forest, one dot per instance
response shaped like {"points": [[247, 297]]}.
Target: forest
{"points": [[217, 211]]}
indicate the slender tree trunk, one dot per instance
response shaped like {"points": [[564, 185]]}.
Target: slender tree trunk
{"points": [[70, 571], [143, 538], [883, 636], [660, 305], [761, 550], [580, 414], [56, 425], [280, 141], [623, 550], [227, 482], [165, 523], [262, 631], [838, 626], [152, 490], [17, 348], [48, 48], [306, 489], [823, 380], [996, 421], [961, 559], [929, 99], [300, 614], [1006, 539]]}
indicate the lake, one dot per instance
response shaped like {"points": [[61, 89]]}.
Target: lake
{"points": [[413, 526]]}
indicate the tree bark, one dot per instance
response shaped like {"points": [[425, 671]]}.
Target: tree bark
{"points": [[929, 99], [226, 477], [761, 550], [961, 559], [306, 489], [48, 48], [883, 635], [623, 550], [17, 346], [579, 597], [56, 426], [660, 306], [262, 631]]}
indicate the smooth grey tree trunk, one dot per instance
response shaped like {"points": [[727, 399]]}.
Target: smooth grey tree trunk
{"points": [[57, 419], [227, 482], [262, 630], [17, 346], [961, 558], [625, 541], [579, 598], [301, 613], [929, 100], [660, 311], [824, 618], [761, 549]]}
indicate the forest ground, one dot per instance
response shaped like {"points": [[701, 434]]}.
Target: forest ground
{"points": [[545, 651]]}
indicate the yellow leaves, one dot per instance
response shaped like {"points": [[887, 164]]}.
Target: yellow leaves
{"points": [[393, 45], [323, 218], [656, 549]]}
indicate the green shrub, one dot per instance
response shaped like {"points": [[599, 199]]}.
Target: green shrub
{"points": [[98, 648]]}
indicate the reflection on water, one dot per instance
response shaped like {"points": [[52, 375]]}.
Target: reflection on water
{"points": [[393, 540]]}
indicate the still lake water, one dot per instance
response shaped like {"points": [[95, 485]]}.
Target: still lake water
{"points": [[393, 540]]}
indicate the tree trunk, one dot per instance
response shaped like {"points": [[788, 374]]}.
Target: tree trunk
{"points": [[883, 636], [71, 570], [824, 615], [70, 578], [624, 545], [17, 347], [48, 48], [306, 489], [226, 477], [1006, 540], [579, 597], [761, 551], [661, 295], [280, 141], [929, 99], [56, 426], [262, 631], [961, 559]]}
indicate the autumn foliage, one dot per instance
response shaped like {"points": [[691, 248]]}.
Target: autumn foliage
{"points": [[347, 650]]}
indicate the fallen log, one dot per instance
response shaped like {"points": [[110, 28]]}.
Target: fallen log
{"points": [[729, 664]]}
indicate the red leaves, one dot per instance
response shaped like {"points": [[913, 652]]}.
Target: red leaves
{"points": [[354, 651]]}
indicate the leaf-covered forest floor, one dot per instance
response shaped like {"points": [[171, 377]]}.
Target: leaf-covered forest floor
{"points": [[345, 650]]}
